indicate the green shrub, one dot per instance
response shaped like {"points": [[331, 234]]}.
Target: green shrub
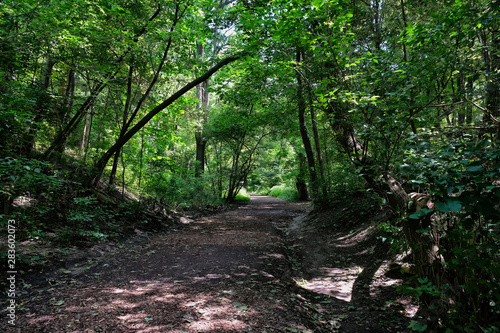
{"points": [[182, 192], [88, 219], [462, 178], [242, 196], [285, 192], [21, 175]]}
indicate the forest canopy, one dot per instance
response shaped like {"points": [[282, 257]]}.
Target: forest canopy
{"points": [[187, 104]]}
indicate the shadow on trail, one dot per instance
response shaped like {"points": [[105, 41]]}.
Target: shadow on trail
{"points": [[346, 262]]}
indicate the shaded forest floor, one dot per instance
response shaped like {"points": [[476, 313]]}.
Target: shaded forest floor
{"points": [[260, 267]]}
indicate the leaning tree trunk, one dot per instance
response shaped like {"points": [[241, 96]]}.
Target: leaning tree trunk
{"points": [[424, 249], [423, 246], [103, 161]]}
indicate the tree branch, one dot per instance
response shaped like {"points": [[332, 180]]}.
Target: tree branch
{"points": [[485, 110]]}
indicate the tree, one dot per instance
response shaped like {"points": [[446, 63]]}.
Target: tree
{"points": [[101, 163]]}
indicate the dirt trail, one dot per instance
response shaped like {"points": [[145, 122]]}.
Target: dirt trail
{"points": [[224, 273]]}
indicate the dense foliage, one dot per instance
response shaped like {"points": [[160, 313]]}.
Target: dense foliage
{"points": [[185, 104]]}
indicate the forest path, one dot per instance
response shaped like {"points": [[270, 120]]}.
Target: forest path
{"points": [[223, 273]]}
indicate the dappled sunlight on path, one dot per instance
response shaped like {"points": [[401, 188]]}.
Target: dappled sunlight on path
{"points": [[218, 274]]}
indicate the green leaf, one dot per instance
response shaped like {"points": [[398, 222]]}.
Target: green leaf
{"points": [[318, 3], [451, 205], [441, 206], [474, 168], [416, 326], [418, 214], [454, 205]]}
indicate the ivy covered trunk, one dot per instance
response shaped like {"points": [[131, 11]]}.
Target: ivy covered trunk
{"points": [[418, 230]]}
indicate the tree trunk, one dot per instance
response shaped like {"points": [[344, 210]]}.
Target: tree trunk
{"points": [[84, 136], [141, 158], [317, 146], [114, 168], [492, 61], [201, 144], [301, 178], [125, 121], [67, 104], [457, 97], [202, 107], [87, 142], [301, 105]]}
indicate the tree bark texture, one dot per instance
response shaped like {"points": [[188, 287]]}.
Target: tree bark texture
{"points": [[317, 146]]}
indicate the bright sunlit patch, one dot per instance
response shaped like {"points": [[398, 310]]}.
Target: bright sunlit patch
{"points": [[219, 324], [382, 281], [168, 297], [131, 318], [339, 289], [117, 291], [146, 282], [121, 303], [194, 303], [354, 237], [337, 282], [41, 319], [23, 201]]}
